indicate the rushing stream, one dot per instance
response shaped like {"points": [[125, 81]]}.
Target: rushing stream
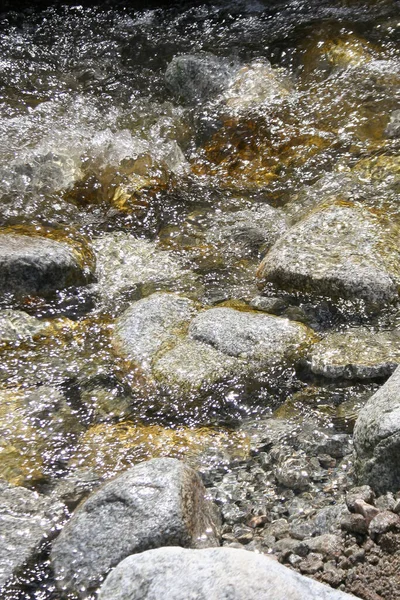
{"points": [[241, 155]]}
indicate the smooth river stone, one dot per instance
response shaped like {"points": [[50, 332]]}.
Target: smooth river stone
{"points": [[215, 574]]}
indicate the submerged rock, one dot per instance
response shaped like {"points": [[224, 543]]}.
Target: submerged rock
{"points": [[194, 78], [357, 354], [27, 520], [40, 265], [41, 173], [246, 232], [107, 449], [35, 426], [341, 251], [326, 51], [254, 85], [191, 367], [157, 503], [393, 127], [149, 323], [16, 325], [129, 269], [178, 574], [377, 438], [185, 356]]}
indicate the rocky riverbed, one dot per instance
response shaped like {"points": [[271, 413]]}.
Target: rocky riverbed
{"points": [[199, 300]]}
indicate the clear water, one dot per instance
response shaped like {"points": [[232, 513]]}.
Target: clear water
{"points": [[82, 97]]}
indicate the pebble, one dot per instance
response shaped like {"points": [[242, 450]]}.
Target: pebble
{"points": [[383, 522], [354, 523], [366, 510], [363, 492], [311, 564], [329, 545]]}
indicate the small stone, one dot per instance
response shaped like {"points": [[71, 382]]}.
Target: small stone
{"points": [[386, 502], [243, 534], [389, 542], [273, 306], [366, 510], [363, 492], [332, 575], [312, 564], [294, 560], [232, 513], [302, 530], [293, 473], [279, 529], [329, 545], [287, 546], [326, 461], [327, 520], [354, 523], [268, 540], [383, 522], [257, 521]]}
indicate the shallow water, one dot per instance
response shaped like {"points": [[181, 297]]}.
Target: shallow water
{"points": [[93, 143]]}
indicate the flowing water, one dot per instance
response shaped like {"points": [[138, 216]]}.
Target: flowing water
{"points": [[168, 188]]}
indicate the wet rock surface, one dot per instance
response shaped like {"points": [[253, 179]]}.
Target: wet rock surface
{"points": [[150, 323], [345, 262], [357, 354], [27, 521], [16, 325], [377, 438], [36, 265], [213, 573], [151, 159], [129, 269], [157, 503], [194, 78], [258, 338]]}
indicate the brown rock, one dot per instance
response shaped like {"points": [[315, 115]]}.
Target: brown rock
{"points": [[383, 522], [366, 510], [354, 523], [363, 492], [312, 564]]}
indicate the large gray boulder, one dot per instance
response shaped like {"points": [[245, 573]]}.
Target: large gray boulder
{"points": [[212, 574], [174, 348], [339, 250], [156, 503], [357, 354], [27, 520], [39, 265], [263, 339], [377, 438], [192, 78]]}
